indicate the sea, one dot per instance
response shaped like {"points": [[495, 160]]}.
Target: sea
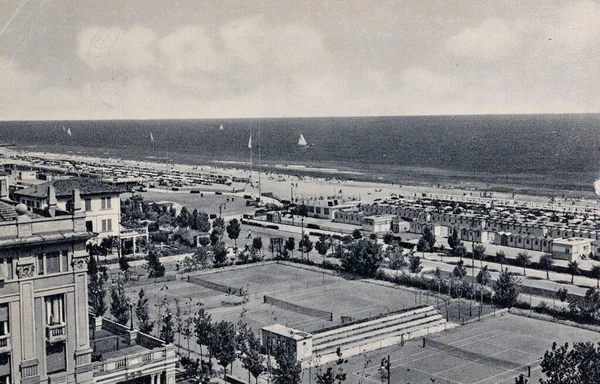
{"points": [[543, 153]]}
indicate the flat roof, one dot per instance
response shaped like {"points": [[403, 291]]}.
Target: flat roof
{"points": [[287, 332], [571, 241]]}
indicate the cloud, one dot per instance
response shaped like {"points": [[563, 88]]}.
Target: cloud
{"points": [[117, 48], [190, 50], [491, 40]]}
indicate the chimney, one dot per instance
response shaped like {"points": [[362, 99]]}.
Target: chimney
{"points": [[76, 200], [51, 201]]}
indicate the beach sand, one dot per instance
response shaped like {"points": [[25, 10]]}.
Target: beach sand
{"points": [[285, 181]]}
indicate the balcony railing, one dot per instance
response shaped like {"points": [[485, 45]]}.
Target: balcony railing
{"points": [[56, 332], [133, 360], [5, 343]]}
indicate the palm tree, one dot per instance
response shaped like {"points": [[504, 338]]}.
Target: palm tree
{"points": [[596, 274], [501, 259], [524, 259], [546, 262], [573, 269]]}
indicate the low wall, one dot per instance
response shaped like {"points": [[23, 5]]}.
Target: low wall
{"points": [[216, 286], [312, 312]]}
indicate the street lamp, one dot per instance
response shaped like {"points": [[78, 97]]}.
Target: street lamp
{"points": [[131, 316]]}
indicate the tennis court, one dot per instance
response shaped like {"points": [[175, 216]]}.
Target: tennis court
{"points": [[493, 351]]}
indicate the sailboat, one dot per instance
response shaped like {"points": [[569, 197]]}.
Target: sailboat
{"points": [[302, 141], [69, 131], [151, 137], [221, 127]]}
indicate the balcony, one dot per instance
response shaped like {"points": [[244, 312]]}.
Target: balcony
{"points": [[56, 332], [5, 343]]}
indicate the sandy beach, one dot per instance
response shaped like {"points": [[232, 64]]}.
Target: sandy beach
{"points": [[285, 182]]}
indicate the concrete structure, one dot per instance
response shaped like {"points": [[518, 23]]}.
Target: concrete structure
{"points": [[100, 201], [298, 342], [325, 209], [571, 249], [43, 301], [44, 327], [377, 224], [125, 355]]}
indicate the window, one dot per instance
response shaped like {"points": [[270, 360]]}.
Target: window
{"points": [[103, 225], [4, 328], [56, 357], [108, 203], [103, 203], [88, 204], [64, 260], [53, 262], [109, 225], [6, 269], [89, 226], [55, 313], [40, 263]]}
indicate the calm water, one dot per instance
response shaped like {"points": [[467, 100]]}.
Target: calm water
{"points": [[556, 151]]}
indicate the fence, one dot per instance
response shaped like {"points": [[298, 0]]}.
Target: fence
{"points": [[216, 286], [317, 313]]}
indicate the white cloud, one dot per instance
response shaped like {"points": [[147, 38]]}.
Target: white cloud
{"points": [[493, 39], [117, 48], [190, 50]]}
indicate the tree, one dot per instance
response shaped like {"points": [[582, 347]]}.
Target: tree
{"points": [[453, 240], [577, 365], [155, 267], [219, 253], [414, 263], [321, 245], [595, 272], [586, 307], [288, 370], [331, 376], [460, 250], [363, 258], [524, 259], [460, 271], [252, 359], [501, 259], [305, 245], [429, 239], [123, 264], [388, 238], [479, 253], [290, 245], [183, 219], [357, 234], [96, 288], [562, 294], [202, 328], [573, 268], [119, 304], [521, 379], [507, 289], [484, 276], [167, 332], [223, 344], [546, 262], [395, 254], [233, 230], [257, 243], [141, 313]]}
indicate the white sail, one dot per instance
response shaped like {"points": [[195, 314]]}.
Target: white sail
{"points": [[151, 137], [302, 141], [221, 127], [69, 131], [250, 142]]}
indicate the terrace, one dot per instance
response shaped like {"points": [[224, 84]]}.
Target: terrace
{"points": [[120, 353]]}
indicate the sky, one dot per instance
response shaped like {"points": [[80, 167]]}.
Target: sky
{"points": [[145, 59]]}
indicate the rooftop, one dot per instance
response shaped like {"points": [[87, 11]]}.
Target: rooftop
{"points": [[287, 332], [572, 241], [65, 187], [8, 212]]}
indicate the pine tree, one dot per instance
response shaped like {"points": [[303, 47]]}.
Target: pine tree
{"points": [[119, 305], [167, 332], [202, 328], [233, 230], [289, 370], [141, 312], [506, 289], [155, 267], [96, 289]]}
